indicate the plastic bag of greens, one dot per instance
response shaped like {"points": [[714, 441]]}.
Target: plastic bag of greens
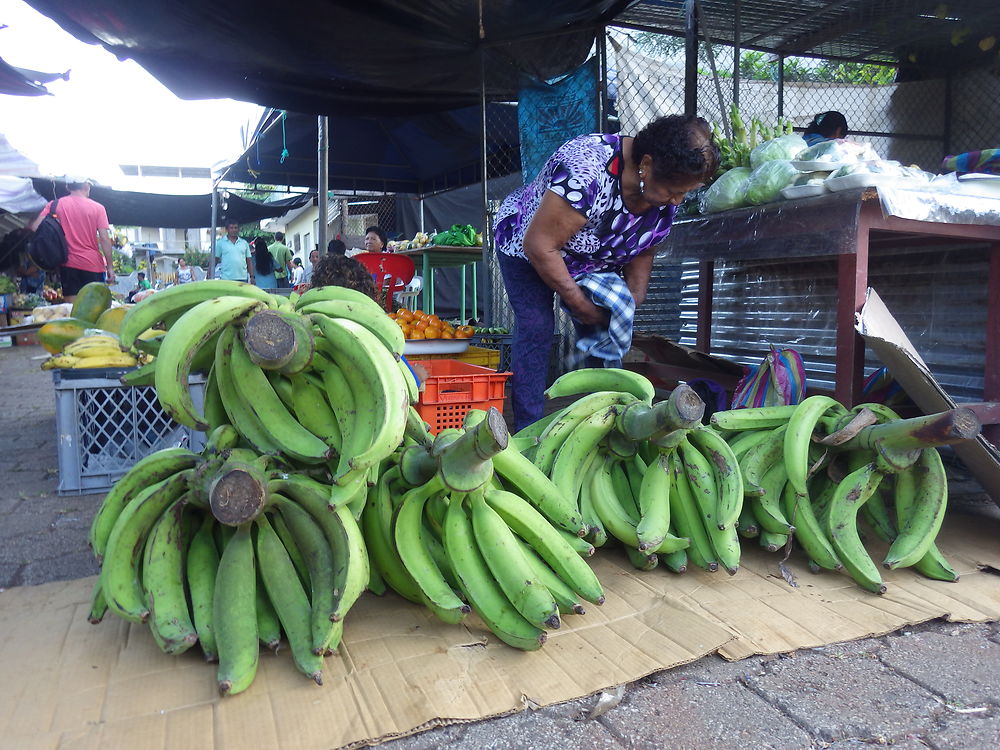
{"points": [[765, 182], [784, 147], [726, 192]]}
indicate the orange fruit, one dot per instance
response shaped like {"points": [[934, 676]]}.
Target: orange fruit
{"points": [[404, 314], [416, 335], [464, 332], [421, 324], [446, 334], [394, 316], [432, 332], [419, 314]]}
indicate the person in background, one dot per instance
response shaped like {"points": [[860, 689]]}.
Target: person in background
{"points": [[263, 264], [337, 270], [297, 272], [141, 285], [313, 259], [88, 236], [336, 247], [32, 277], [184, 273], [826, 126], [586, 229], [232, 254], [282, 260], [374, 240]]}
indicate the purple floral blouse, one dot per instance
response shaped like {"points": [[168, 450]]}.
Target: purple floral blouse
{"points": [[586, 172]]}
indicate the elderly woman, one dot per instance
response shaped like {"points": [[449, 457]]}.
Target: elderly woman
{"points": [[590, 221]]}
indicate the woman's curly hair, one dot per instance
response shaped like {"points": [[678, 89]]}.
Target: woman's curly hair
{"points": [[681, 146], [339, 270]]}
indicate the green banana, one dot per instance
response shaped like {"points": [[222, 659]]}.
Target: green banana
{"points": [[163, 579], [654, 504], [415, 556], [146, 472], [284, 533], [798, 438], [925, 511], [177, 299], [98, 604], [201, 570], [268, 624], [581, 443], [747, 525], [327, 293], [676, 562], [566, 599], [767, 506], [842, 528], [289, 599], [808, 531], [553, 547], [761, 457], [753, 418], [377, 519], [235, 614], [477, 583], [119, 573], [642, 560], [360, 352], [550, 440], [285, 430], [371, 317], [726, 468], [686, 518], [240, 415], [536, 487], [703, 482], [773, 541], [596, 533], [591, 379], [506, 561], [222, 438], [314, 412], [194, 330]]}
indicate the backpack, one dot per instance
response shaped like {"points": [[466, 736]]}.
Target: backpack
{"points": [[47, 247]]}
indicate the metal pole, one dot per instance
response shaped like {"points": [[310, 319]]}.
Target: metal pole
{"points": [[690, 58], [212, 232], [602, 99], [737, 29], [487, 229], [781, 86], [322, 182], [948, 103]]}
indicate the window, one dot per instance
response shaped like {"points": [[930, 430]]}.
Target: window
{"points": [[296, 243]]}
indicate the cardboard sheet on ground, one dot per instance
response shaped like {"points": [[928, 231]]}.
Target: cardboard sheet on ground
{"points": [[887, 339], [67, 684]]}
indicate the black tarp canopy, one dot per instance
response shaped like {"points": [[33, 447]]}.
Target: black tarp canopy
{"points": [[173, 211], [378, 57], [420, 154], [24, 82]]}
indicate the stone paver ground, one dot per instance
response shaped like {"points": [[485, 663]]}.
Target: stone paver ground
{"points": [[935, 685]]}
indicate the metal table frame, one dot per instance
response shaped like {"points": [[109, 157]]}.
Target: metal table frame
{"points": [[446, 256]]}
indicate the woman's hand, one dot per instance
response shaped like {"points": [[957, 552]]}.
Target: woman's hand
{"points": [[589, 314]]}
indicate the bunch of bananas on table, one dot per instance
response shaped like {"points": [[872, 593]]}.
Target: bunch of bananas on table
{"points": [[92, 351], [226, 549]]}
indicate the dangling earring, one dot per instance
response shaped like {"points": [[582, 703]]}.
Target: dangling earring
{"points": [[642, 184]]}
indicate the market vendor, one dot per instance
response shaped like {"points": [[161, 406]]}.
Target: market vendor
{"points": [[826, 126], [585, 228]]}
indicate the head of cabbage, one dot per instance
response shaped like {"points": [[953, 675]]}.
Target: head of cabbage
{"points": [[726, 192], [765, 182], [783, 147]]}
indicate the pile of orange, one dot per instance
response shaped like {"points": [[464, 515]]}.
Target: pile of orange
{"points": [[417, 324]]}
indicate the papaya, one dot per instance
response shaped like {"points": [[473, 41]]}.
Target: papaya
{"points": [[55, 334], [111, 319], [91, 301]]}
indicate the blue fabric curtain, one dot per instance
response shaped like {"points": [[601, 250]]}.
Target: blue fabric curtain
{"points": [[549, 114]]}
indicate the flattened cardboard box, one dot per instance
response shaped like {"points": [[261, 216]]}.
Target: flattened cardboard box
{"points": [[887, 339], [67, 684]]}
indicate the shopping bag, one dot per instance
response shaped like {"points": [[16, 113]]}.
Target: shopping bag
{"points": [[779, 380]]}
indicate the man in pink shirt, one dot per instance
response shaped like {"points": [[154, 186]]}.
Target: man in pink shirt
{"points": [[88, 236]]}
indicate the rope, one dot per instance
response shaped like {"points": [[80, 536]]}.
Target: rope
{"points": [[284, 144]]}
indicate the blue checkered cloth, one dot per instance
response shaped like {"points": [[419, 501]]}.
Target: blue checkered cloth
{"points": [[608, 344]]}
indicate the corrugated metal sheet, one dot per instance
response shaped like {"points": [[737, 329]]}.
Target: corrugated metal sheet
{"points": [[938, 295]]}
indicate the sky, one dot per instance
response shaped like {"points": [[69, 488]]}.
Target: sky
{"points": [[109, 112]]}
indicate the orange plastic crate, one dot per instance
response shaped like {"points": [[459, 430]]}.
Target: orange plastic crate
{"points": [[452, 388]]}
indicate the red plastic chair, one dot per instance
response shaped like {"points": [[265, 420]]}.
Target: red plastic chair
{"points": [[392, 273]]}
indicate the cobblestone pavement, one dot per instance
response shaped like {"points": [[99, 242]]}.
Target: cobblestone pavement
{"points": [[935, 685]]}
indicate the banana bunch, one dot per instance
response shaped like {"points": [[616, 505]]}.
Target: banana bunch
{"points": [[465, 523], [810, 470], [228, 550], [92, 351], [651, 476], [317, 379]]}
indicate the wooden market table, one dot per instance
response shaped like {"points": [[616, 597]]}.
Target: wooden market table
{"points": [[849, 225], [445, 256]]}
